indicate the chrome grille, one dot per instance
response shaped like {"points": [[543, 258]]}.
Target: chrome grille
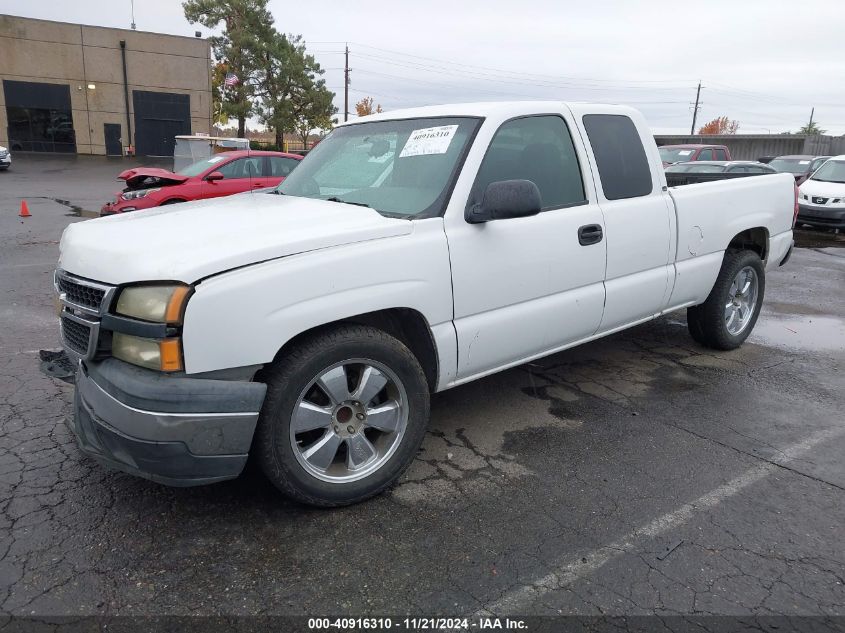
{"points": [[79, 294], [76, 335], [83, 303]]}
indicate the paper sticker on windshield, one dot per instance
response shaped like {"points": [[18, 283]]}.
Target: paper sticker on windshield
{"points": [[430, 140], [803, 162], [685, 152]]}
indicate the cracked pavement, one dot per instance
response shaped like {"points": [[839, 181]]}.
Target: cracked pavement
{"points": [[598, 481]]}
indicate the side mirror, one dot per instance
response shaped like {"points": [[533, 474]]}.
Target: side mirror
{"points": [[215, 175], [506, 199]]}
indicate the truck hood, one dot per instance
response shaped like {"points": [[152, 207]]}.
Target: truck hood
{"points": [[190, 241], [136, 176]]}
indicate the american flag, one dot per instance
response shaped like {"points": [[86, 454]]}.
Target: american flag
{"points": [[231, 80]]}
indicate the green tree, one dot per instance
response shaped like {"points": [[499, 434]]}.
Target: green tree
{"points": [[293, 95], [313, 110], [246, 26], [811, 129]]}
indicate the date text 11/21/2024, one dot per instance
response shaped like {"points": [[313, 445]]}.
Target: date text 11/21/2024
{"points": [[417, 624]]}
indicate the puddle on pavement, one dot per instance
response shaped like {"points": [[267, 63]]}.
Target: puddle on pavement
{"points": [[814, 333]]}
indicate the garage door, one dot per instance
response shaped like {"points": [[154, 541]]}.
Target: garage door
{"points": [[159, 117], [39, 116]]}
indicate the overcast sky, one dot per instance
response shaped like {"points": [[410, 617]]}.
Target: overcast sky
{"points": [[764, 63]]}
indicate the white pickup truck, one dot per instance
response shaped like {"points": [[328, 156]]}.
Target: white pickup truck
{"points": [[408, 253]]}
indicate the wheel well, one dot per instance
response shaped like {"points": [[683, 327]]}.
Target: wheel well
{"points": [[756, 239], [407, 325], [172, 201]]}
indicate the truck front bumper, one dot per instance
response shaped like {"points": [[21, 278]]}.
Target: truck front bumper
{"points": [[173, 430]]}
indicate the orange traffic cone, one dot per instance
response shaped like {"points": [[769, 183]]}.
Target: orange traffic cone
{"points": [[24, 210]]}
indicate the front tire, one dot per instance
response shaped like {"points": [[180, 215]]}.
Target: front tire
{"points": [[728, 315], [345, 413]]}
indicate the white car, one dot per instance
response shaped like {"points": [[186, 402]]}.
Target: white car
{"points": [[5, 158], [821, 198], [408, 253]]}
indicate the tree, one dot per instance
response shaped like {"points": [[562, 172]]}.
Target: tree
{"points": [[315, 112], [719, 125], [811, 129], [293, 96], [365, 107], [246, 25]]}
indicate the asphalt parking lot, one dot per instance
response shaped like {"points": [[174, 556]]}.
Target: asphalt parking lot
{"points": [[637, 475]]}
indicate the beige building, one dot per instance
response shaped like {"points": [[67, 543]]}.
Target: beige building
{"points": [[92, 90]]}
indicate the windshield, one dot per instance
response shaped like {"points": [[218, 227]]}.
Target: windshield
{"points": [[399, 168], [696, 168], [675, 154], [831, 171], [195, 169], [679, 168], [791, 165]]}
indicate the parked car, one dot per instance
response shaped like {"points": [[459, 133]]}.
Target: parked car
{"points": [[800, 165], [707, 171], [821, 198], [721, 166], [5, 158], [671, 154], [410, 252], [220, 175]]}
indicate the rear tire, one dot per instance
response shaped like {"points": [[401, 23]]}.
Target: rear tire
{"points": [[345, 413], [730, 312]]}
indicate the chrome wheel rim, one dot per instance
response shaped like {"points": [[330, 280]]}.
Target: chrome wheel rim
{"points": [[349, 420], [742, 301]]}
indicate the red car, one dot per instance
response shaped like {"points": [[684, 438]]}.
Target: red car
{"points": [[219, 175], [671, 154]]}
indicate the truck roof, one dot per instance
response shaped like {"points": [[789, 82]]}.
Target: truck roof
{"points": [[490, 109]]}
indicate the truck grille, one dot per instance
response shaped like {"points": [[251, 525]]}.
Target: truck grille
{"points": [[79, 294], [818, 200], [76, 336], [84, 303]]}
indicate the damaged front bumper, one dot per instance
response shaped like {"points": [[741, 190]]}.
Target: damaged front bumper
{"points": [[174, 430]]}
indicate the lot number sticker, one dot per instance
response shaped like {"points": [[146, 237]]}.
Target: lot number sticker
{"points": [[430, 140]]}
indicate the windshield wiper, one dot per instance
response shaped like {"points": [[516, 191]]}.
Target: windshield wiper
{"points": [[838, 182], [357, 204]]}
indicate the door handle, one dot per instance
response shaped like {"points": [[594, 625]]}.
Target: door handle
{"points": [[590, 234]]}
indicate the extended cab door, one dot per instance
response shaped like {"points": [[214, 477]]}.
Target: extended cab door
{"points": [[526, 286], [638, 214]]}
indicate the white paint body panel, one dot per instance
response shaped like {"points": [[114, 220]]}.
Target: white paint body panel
{"points": [[267, 267], [190, 241]]}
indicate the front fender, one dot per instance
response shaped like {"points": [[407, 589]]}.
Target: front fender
{"points": [[244, 316]]}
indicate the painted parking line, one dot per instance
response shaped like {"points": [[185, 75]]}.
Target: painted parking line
{"points": [[585, 564]]}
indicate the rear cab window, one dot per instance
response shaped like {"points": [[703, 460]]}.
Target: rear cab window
{"points": [[621, 160]]}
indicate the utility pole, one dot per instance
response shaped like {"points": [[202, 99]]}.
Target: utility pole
{"points": [[695, 110], [346, 87]]}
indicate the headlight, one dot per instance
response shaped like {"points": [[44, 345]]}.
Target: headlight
{"points": [[161, 355], [157, 303], [140, 193]]}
